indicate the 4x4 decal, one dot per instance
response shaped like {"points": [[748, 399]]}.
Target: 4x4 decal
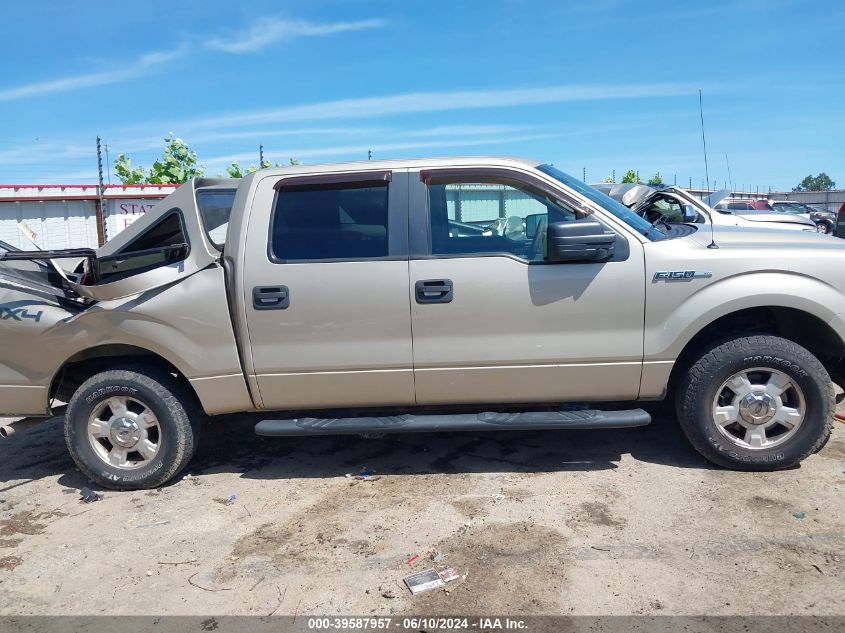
{"points": [[19, 314]]}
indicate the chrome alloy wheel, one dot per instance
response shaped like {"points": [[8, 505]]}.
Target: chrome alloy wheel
{"points": [[759, 408], [124, 433]]}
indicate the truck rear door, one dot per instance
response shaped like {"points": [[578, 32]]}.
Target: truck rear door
{"points": [[325, 290]]}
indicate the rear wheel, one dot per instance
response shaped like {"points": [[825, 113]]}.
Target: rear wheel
{"points": [[824, 227], [756, 403], [131, 429]]}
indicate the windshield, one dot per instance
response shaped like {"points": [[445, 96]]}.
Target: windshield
{"points": [[790, 207], [215, 206], [605, 202]]}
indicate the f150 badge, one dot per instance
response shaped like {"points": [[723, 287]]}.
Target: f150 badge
{"points": [[680, 275]]}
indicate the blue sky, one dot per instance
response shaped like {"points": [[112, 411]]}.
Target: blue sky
{"points": [[599, 85]]}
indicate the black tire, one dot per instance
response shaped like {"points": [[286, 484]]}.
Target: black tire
{"points": [[177, 414], [697, 391], [827, 228]]}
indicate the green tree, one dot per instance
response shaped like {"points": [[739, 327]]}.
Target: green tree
{"points": [[609, 179], [656, 180], [236, 171], [630, 176], [177, 164], [126, 173], [822, 182]]}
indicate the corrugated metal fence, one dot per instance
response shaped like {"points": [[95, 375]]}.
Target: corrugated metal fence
{"points": [[68, 216]]}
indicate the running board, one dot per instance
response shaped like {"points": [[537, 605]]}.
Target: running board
{"points": [[488, 421]]}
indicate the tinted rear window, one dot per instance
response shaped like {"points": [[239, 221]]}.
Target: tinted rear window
{"points": [[330, 222], [215, 207]]}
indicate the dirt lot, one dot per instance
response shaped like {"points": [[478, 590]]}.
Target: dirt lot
{"points": [[591, 522]]}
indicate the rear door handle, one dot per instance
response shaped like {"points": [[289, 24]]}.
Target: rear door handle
{"points": [[270, 297], [434, 291]]}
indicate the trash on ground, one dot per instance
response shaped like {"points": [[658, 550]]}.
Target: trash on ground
{"points": [[412, 558], [424, 581], [364, 474], [799, 515], [388, 593], [146, 525], [86, 495], [448, 575], [436, 557], [226, 502]]}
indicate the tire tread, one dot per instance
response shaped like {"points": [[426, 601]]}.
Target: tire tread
{"points": [[698, 376], [179, 404]]}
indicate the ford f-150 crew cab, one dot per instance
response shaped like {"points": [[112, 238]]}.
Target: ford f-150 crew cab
{"points": [[421, 295]]}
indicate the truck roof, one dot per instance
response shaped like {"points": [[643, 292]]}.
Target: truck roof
{"points": [[183, 197]]}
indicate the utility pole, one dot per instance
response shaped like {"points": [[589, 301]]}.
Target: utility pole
{"points": [[690, 182], [101, 190], [614, 175], [584, 174], [260, 156], [676, 180], [369, 154]]}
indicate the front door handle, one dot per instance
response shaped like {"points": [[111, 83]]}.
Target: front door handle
{"points": [[434, 291], [270, 297]]}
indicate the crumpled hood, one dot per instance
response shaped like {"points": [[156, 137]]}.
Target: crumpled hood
{"points": [[788, 218]]}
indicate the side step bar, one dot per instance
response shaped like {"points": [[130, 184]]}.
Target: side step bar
{"points": [[488, 421]]}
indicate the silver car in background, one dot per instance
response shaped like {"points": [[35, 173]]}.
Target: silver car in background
{"points": [[675, 204]]}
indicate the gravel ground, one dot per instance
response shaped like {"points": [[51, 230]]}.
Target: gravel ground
{"points": [[578, 522]]}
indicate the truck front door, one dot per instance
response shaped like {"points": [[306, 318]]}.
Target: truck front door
{"points": [[493, 321], [326, 292]]}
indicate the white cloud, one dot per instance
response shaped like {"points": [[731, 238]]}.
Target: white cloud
{"points": [[267, 31], [140, 66], [217, 163], [410, 103]]}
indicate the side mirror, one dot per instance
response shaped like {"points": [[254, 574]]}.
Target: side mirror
{"points": [[690, 213], [581, 241]]}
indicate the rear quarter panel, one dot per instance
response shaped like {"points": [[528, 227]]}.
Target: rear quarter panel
{"points": [[186, 323]]}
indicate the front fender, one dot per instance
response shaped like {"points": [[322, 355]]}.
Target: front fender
{"points": [[677, 311]]}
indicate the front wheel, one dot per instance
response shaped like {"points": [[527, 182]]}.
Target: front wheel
{"points": [[756, 403], [824, 228], [131, 429]]}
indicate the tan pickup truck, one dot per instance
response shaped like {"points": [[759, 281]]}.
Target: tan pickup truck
{"points": [[421, 295]]}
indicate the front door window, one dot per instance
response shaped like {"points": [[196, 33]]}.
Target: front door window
{"points": [[477, 216]]}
